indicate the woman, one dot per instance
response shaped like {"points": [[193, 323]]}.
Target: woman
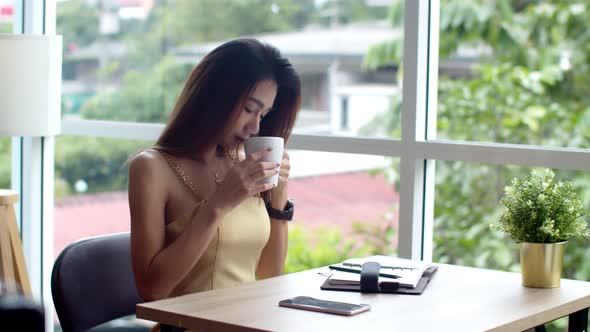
{"points": [[199, 214]]}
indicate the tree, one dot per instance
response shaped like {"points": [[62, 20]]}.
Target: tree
{"points": [[77, 22], [523, 92], [143, 97], [185, 22], [98, 162], [349, 11]]}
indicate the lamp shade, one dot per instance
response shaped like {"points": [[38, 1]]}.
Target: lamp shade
{"points": [[30, 85]]}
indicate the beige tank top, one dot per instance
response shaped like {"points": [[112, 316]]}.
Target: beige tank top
{"points": [[233, 254]]}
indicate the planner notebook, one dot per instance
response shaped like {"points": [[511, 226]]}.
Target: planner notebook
{"points": [[396, 275]]}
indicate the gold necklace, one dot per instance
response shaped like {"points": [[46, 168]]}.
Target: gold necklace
{"points": [[218, 179]]}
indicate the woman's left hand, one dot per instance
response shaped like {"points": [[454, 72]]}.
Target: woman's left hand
{"points": [[281, 188]]}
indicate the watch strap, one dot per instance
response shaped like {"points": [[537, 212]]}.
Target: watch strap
{"points": [[286, 214]]}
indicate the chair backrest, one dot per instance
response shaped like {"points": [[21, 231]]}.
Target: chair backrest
{"points": [[92, 282]]}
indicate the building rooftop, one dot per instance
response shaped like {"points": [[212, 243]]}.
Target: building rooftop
{"points": [[313, 45]]}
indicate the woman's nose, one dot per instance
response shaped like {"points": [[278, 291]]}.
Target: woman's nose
{"points": [[253, 126]]}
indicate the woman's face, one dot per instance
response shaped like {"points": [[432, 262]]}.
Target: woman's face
{"points": [[251, 112]]}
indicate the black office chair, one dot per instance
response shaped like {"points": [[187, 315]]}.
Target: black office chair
{"points": [[92, 283]]}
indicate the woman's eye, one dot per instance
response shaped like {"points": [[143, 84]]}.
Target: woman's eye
{"points": [[247, 110]]}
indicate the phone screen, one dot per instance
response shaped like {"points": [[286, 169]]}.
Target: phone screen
{"points": [[333, 307]]}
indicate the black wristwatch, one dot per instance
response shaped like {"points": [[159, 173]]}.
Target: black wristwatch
{"points": [[286, 214]]}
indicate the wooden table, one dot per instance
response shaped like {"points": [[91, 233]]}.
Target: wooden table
{"points": [[457, 299]]}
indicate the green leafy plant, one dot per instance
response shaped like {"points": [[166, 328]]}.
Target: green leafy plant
{"points": [[311, 248], [541, 209]]}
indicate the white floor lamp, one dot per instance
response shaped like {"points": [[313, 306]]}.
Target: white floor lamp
{"points": [[30, 94]]}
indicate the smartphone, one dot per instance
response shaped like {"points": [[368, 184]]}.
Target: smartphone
{"points": [[331, 307]]}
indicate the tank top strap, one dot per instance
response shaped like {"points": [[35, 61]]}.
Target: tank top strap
{"points": [[181, 175]]}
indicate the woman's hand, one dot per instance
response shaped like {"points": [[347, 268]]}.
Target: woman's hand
{"points": [[244, 180], [281, 189]]}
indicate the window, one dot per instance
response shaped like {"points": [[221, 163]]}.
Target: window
{"points": [[514, 76], [125, 61], [477, 108], [340, 198], [522, 85], [91, 187], [345, 206], [126, 64], [462, 233]]}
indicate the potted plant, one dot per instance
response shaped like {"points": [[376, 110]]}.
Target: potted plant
{"points": [[542, 214]]}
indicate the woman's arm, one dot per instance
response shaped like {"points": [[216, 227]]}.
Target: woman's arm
{"points": [[158, 269], [274, 254]]}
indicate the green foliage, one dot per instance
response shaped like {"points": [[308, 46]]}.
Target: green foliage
{"points": [[186, 22], [5, 164], [144, 97], [540, 209], [465, 204], [5, 28], [99, 162], [533, 34], [520, 93], [327, 245], [506, 104], [348, 11], [378, 238], [77, 22], [207, 20], [321, 247]]}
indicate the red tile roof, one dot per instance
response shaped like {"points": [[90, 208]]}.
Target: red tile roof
{"points": [[336, 200]]}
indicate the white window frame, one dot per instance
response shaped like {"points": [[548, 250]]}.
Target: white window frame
{"points": [[418, 148], [32, 172]]}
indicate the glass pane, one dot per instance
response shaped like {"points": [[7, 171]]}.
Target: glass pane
{"points": [[5, 162], [343, 206], [91, 187], [516, 73], [125, 61], [467, 200], [341, 199], [7, 12], [346, 206]]}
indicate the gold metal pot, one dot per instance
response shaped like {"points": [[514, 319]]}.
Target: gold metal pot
{"points": [[541, 264]]}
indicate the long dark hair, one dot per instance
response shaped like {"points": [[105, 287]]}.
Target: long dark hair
{"points": [[219, 84]]}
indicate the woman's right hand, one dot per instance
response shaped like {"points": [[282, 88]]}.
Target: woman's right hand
{"points": [[243, 181]]}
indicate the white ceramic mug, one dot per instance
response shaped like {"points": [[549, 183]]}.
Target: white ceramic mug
{"points": [[259, 143]]}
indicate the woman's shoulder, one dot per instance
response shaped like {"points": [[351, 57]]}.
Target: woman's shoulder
{"points": [[148, 161]]}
